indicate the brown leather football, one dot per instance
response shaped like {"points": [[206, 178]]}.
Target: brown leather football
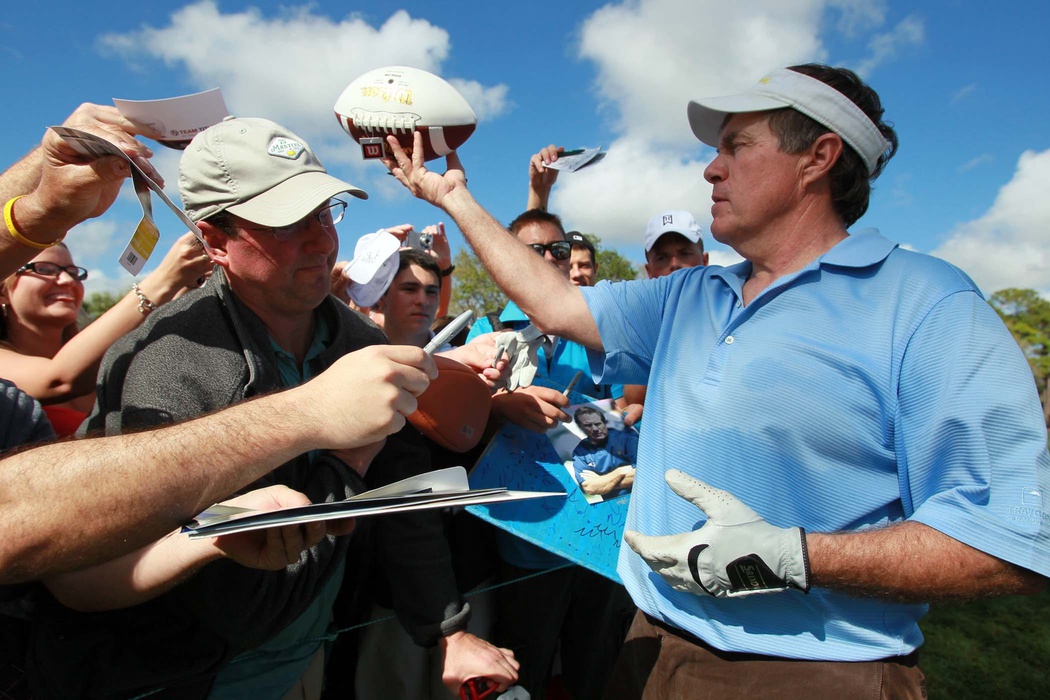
{"points": [[455, 407]]}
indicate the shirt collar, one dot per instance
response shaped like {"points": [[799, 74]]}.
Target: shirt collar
{"points": [[291, 374], [861, 249]]}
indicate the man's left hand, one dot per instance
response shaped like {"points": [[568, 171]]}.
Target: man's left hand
{"points": [[274, 548], [423, 183], [480, 355], [735, 553], [466, 656]]}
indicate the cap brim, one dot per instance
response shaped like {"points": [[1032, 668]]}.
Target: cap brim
{"points": [[706, 115], [293, 199]]}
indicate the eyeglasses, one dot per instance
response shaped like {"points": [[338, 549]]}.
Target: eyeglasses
{"points": [[328, 215], [559, 250], [48, 269]]}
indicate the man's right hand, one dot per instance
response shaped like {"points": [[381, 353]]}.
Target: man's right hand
{"points": [[535, 408], [73, 188], [423, 183], [365, 396], [542, 178]]}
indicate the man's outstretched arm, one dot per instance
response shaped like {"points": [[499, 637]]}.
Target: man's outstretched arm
{"points": [[73, 504], [551, 301]]}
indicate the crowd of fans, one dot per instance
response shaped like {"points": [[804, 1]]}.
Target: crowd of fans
{"points": [[260, 371]]}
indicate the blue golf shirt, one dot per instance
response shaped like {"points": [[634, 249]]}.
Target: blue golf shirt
{"points": [[873, 386]]}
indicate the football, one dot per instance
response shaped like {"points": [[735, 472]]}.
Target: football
{"points": [[398, 101], [455, 407]]}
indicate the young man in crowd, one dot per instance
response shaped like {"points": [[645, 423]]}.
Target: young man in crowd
{"points": [[672, 242]]}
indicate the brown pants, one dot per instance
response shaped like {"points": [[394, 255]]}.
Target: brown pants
{"points": [[661, 663]]}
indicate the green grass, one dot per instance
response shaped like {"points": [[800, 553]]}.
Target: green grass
{"points": [[999, 645]]}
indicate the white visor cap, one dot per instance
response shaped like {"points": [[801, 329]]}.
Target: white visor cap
{"points": [[787, 88]]}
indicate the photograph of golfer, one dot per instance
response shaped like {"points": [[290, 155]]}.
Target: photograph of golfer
{"points": [[598, 450]]}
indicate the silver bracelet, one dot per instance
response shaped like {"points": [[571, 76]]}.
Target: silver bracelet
{"points": [[145, 305]]}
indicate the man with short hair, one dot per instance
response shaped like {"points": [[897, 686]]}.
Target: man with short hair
{"points": [[406, 310], [583, 265], [265, 321], [672, 242], [852, 418], [538, 408], [603, 462]]}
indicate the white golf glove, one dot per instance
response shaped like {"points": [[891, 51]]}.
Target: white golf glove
{"points": [[522, 348], [735, 553]]}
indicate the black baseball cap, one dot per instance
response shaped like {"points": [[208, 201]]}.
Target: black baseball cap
{"points": [[577, 238]]}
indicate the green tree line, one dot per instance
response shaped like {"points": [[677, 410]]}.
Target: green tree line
{"points": [[474, 289]]}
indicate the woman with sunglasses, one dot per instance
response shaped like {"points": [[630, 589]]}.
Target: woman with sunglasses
{"points": [[41, 348]]}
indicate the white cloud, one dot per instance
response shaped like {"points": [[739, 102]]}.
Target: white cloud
{"points": [[653, 55], [291, 67], [91, 242], [859, 15], [487, 102], [636, 180], [1008, 245], [974, 162], [883, 47], [99, 281]]}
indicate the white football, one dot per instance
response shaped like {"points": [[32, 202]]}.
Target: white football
{"points": [[398, 100]]}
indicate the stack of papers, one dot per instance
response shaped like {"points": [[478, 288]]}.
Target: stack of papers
{"points": [[443, 488]]}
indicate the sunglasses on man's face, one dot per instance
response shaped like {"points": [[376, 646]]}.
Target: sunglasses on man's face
{"points": [[559, 250], [48, 269]]}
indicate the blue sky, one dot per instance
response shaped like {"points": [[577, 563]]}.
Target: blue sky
{"points": [[965, 83]]}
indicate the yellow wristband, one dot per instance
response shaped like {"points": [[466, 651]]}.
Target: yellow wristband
{"points": [[9, 219]]}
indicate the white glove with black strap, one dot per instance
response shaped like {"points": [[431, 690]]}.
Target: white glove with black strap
{"points": [[522, 347], [735, 553]]}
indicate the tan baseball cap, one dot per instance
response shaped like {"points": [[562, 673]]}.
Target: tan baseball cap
{"points": [[257, 170]]}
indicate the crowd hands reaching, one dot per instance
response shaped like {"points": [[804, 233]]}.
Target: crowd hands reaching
{"points": [[135, 552], [106, 534], [250, 376]]}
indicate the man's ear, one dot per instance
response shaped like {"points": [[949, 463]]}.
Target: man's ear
{"points": [[218, 239], [647, 273], [821, 157], [705, 258]]}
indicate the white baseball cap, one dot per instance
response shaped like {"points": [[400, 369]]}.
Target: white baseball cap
{"points": [[373, 268], [256, 169], [674, 221], [787, 88]]}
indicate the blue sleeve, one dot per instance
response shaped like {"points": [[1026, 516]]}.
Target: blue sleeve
{"points": [[628, 316], [969, 434], [482, 325]]}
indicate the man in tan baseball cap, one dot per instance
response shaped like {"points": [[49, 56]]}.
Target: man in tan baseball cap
{"points": [[265, 321]]}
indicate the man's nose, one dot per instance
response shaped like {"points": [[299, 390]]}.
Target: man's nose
{"points": [[320, 238]]}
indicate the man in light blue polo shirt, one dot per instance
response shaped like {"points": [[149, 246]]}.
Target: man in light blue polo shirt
{"points": [[848, 430]]}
